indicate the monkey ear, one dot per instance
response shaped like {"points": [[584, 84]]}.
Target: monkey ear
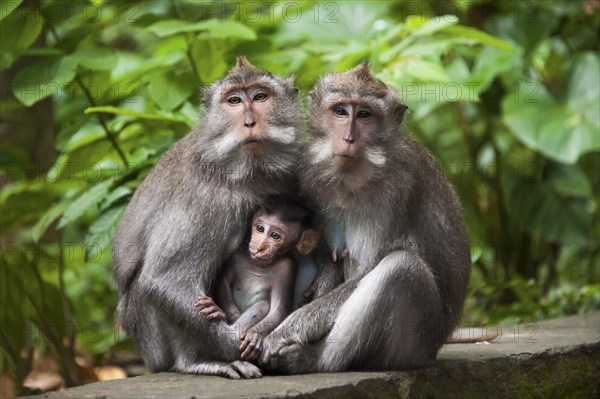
{"points": [[308, 241], [399, 112]]}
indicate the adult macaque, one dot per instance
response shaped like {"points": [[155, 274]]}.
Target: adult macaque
{"points": [[256, 290], [190, 213], [391, 211]]}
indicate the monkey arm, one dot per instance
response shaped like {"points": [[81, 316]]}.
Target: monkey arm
{"points": [[224, 296], [282, 296], [167, 284]]}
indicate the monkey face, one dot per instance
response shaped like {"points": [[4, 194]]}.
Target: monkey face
{"points": [[352, 126], [252, 119], [271, 237], [353, 120], [248, 108], [254, 116]]}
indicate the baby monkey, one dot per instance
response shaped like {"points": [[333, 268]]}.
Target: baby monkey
{"points": [[256, 287]]}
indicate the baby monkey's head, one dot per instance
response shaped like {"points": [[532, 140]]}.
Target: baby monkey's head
{"points": [[280, 227]]}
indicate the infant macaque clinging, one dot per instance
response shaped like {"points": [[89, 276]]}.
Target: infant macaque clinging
{"points": [[256, 288]]}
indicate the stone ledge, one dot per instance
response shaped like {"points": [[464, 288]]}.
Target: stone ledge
{"points": [[554, 358]]}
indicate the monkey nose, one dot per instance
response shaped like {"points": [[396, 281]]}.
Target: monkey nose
{"points": [[250, 124], [349, 140]]}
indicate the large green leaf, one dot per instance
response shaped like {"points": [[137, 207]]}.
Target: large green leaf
{"points": [[18, 31], [102, 231], [86, 202], [561, 131], [215, 28], [423, 70], [45, 78], [583, 87], [114, 196], [547, 208], [48, 218], [493, 61], [169, 90], [477, 36], [130, 66], [96, 59], [422, 27], [86, 135], [523, 28], [24, 202], [209, 57], [8, 7]]}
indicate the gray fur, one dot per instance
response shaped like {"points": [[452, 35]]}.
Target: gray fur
{"points": [[408, 267], [183, 219]]}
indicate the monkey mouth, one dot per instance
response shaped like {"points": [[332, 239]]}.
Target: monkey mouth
{"points": [[255, 147], [252, 141], [344, 160], [259, 257], [343, 155]]}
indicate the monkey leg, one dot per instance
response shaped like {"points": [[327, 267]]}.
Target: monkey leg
{"points": [[235, 370], [167, 344], [252, 316], [192, 359], [145, 329], [392, 320], [309, 324]]}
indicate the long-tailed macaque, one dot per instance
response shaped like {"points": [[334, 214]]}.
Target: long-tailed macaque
{"points": [[256, 288], [391, 211], [190, 214]]}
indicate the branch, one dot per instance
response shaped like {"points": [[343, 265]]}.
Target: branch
{"points": [[109, 134]]}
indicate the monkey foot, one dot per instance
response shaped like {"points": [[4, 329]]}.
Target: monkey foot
{"points": [[240, 369]]}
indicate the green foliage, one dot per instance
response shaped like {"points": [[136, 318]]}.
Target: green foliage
{"points": [[509, 108]]}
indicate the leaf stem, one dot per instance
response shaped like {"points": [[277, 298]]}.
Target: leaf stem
{"points": [[188, 42], [110, 135]]}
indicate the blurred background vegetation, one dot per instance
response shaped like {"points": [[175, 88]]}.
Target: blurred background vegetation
{"points": [[505, 94]]}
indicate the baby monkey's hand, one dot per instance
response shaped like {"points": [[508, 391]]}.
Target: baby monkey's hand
{"points": [[210, 308], [251, 346]]}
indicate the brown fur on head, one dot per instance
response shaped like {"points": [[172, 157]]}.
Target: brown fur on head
{"points": [[244, 73], [358, 84], [367, 80], [243, 65]]}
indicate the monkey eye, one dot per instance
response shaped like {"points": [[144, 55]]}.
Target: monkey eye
{"points": [[363, 114], [260, 228], [260, 97], [340, 111], [276, 236], [234, 100]]}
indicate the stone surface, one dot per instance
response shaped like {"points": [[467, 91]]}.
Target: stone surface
{"points": [[555, 359]]}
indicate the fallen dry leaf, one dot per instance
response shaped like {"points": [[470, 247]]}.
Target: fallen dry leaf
{"points": [[107, 373]]}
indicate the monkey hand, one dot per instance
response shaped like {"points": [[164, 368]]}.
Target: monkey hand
{"points": [[210, 308], [288, 356], [328, 277], [252, 344]]}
